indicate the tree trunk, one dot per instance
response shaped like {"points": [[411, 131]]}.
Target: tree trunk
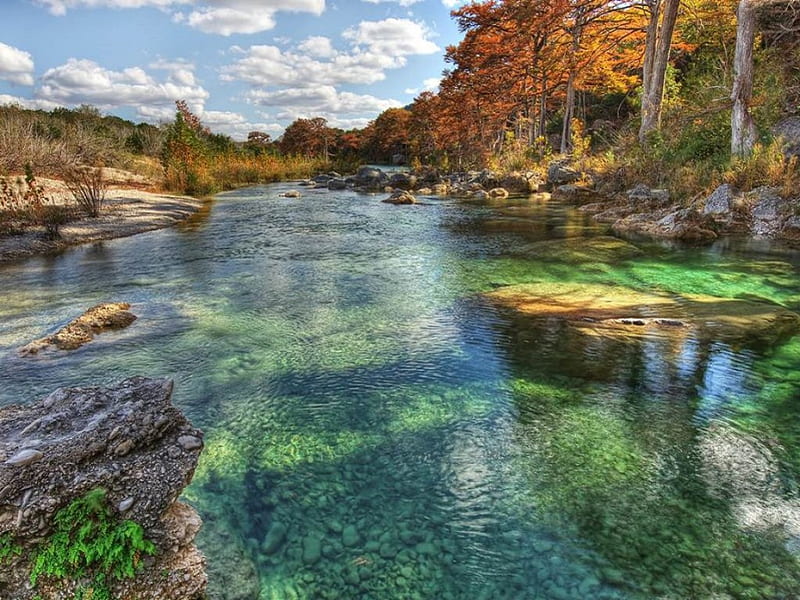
{"points": [[743, 127], [569, 109], [656, 60]]}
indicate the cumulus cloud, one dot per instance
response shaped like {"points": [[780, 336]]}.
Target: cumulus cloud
{"points": [[86, 82], [341, 109], [222, 17], [375, 47], [400, 2], [235, 124], [16, 65], [393, 37], [33, 104]]}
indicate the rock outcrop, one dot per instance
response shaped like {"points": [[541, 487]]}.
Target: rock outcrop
{"points": [[76, 333], [128, 440]]}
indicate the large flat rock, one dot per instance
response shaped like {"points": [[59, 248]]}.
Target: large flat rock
{"points": [[620, 311]]}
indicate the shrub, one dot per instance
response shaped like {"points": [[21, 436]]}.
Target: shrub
{"points": [[88, 186], [24, 203]]}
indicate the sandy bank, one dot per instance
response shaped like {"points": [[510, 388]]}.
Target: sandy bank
{"points": [[126, 212]]}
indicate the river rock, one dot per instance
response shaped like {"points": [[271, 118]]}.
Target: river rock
{"points": [[400, 197], [370, 178], [685, 224], [403, 181], [292, 194], [337, 184], [581, 250], [768, 211], [788, 130], [559, 173], [498, 192], [80, 331], [75, 433], [720, 203], [312, 549], [616, 311], [350, 536], [274, 538]]}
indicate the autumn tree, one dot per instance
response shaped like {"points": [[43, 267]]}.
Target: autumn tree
{"points": [[308, 137]]}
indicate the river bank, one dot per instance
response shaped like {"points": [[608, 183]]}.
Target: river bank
{"points": [[127, 211]]}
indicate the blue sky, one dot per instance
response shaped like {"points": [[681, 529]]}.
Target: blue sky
{"points": [[240, 64]]}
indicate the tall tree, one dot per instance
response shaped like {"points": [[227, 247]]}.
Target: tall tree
{"points": [[743, 126], [663, 14]]}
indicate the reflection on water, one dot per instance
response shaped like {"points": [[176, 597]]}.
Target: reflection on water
{"points": [[377, 429]]}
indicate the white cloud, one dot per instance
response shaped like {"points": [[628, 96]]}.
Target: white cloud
{"points": [[341, 109], [428, 85], [86, 82], [375, 47], [32, 104], [223, 17], [269, 65], [400, 2], [16, 65], [318, 47], [235, 125], [393, 37]]}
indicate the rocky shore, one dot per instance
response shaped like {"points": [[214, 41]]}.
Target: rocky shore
{"points": [[126, 440]]}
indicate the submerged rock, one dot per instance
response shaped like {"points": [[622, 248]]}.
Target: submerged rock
{"points": [[617, 311], [582, 250], [73, 435], [80, 331]]}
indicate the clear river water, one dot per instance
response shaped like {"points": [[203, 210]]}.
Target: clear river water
{"points": [[376, 428]]}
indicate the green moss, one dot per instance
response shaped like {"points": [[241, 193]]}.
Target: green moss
{"points": [[91, 547]]}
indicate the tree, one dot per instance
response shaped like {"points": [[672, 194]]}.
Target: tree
{"points": [[663, 15], [743, 126]]}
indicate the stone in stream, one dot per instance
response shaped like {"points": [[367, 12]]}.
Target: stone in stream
{"points": [[387, 551], [274, 538], [312, 548], [350, 536], [80, 331]]}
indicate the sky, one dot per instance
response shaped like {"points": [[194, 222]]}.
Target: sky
{"points": [[241, 65]]}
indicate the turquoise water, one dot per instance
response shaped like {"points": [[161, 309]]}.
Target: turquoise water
{"points": [[376, 428]]}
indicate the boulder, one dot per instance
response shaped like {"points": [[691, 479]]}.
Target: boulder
{"points": [[400, 197], [559, 173], [403, 181], [371, 178], [127, 439], [642, 193], [684, 224], [788, 130], [307, 183], [573, 193], [768, 211], [337, 184], [720, 204], [440, 189], [292, 194], [617, 311], [517, 182], [500, 193], [322, 179], [425, 192], [80, 331]]}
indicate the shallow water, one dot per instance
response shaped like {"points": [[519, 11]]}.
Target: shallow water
{"points": [[376, 429]]}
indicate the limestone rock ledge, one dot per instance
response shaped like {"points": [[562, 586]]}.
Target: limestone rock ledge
{"points": [[128, 439]]}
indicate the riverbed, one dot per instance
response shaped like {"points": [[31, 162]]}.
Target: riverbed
{"points": [[377, 427]]}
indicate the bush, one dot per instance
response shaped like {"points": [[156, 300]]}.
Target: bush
{"points": [[23, 203], [88, 187]]}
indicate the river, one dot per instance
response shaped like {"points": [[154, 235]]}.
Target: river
{"points": [[376, 428]]}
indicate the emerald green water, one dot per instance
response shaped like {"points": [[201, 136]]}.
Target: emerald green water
{"points": [[376, 429]]}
